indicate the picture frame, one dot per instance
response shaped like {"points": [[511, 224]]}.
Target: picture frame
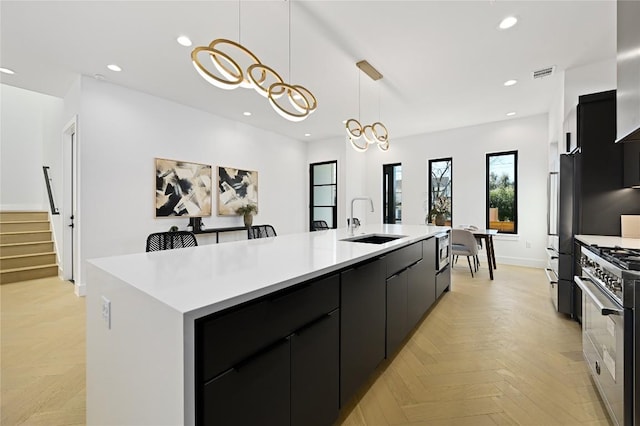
{"points": [[183, 189], [236, 188]]}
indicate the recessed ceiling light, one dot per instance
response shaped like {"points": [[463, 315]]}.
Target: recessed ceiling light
{"points": [[7, 71], [307, 134], [184, 41], [246, 113], [510, 82], [508, 22], [344, 121], [114, 67], [511, 114]]}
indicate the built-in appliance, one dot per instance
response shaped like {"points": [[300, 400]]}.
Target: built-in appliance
{"points": [[442, 250], [610, 284], [591, 193]]}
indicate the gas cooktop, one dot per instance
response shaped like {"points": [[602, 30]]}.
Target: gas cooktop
{"points": [[621, 257]]}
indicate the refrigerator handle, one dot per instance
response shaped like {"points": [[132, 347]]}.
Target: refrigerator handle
{"points": [[549, 203]]}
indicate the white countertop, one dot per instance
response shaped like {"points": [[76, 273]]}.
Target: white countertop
{"points": [[215, 277], [607, 241]]}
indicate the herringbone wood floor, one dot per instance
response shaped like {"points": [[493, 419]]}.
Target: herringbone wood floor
{"points": [[489, 353]]}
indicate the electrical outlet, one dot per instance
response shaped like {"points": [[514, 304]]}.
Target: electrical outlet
{"points": [[528, 244], [106, 312]]}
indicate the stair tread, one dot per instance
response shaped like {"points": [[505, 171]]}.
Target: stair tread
{"points": [[5, 222], [17, 256], [24, 244], [24, 232], [29, 268]]}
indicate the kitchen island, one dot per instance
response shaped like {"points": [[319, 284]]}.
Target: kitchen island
{"points": [[170, 332]]}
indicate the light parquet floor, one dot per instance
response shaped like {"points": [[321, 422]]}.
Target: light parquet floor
{"points": [[43, 353], [489, 353]]}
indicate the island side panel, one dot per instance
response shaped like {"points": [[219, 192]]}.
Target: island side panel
{"points": [[135, 367]]}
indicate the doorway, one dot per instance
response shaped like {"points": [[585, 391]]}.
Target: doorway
{"points": [[392, 193], [323, 193], [70, 268]]}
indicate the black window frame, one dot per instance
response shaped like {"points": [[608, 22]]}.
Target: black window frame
{"points": [[429, 190], [311, 196], [515, 190], [389, 196]]}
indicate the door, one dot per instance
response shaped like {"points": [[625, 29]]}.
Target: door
{"points": [[70, 202], [392, 194], [323, 193]]}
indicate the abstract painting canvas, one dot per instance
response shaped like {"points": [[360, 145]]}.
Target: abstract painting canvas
{"points": [[182, 189], [236, 188]]}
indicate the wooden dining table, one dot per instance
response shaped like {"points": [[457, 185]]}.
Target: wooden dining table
{"points": [[487, 236]]}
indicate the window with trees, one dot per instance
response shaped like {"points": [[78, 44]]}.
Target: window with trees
{"points": [[502, 192], [392, 194], [440, 191], [323, 193]]}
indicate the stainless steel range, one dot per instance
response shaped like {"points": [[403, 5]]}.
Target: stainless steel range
{"points": [[610, 284]]}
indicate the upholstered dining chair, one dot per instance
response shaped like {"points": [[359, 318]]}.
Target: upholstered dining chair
{"points": [[261, 231], [319, 225], [171, 240], [463, 243]]}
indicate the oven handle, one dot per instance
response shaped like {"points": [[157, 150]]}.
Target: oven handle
{"points": [[604, 304], [551, 281]]}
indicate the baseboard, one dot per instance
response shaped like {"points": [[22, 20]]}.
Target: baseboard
{"points": [[80, 289], [520, 261]]}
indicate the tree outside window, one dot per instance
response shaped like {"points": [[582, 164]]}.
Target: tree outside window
{"points": [[502, 194], [440, 191]]}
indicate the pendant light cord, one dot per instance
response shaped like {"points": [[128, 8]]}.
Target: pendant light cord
{"points": [[290, 78], [359, 97], [239, 23]]}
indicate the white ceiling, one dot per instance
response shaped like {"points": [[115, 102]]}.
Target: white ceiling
{"points": [[444, 62]]}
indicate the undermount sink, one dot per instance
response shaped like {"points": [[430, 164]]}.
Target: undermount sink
{"points": [[373, 238]]}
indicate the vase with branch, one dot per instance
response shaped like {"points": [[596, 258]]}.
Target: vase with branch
{"points": [[247, 211]]}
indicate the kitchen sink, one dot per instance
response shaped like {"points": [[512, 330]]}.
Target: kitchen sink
{"points": [[373, 238]]}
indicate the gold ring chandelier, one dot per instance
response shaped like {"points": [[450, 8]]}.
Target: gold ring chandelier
{"points": [[362, 136], [293, 102]]}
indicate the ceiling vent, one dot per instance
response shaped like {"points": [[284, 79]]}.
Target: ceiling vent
{"points": [[544, 72]]}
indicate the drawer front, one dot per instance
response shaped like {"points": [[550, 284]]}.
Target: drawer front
{"points": [[403, 258], [443, 281], [229, 338]]}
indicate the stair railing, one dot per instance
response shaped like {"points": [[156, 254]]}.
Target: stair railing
{"points": [[47, 179]]}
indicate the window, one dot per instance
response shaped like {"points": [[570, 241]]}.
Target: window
{"points": [[392, 196], [502, 192], [441, 190], [323, 193]]}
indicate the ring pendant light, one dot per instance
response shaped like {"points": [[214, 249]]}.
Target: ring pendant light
{"points": [[293, 102]]}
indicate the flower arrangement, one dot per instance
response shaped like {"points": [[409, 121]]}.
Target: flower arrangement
{"points": [[247, 209], [441, 205]]}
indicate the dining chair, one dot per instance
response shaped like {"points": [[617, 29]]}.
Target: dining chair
{"points": [[170, 240], [261, 231], [319, 225], [356, 222], [463, 243]]}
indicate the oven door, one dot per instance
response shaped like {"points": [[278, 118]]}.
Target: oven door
{"points": [[603, 345]]}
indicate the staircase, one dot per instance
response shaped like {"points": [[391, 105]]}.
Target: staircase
{"points": [[26, 247]]}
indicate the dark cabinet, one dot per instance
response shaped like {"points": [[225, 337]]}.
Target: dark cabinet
{"points": [[632, 164], [397, 324], [254, 392], [421, 283], [315, 373], [362, 325], [274, 361]]}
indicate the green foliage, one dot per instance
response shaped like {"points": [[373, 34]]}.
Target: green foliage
{"points": [[247, 208], [503, 197]]}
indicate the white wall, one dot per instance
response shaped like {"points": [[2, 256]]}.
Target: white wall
{"points": [[30, 136], [592, 78], [468, 146], [121, 131]]}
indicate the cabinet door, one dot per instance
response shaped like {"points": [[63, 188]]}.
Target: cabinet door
{"points": [[396, 311], [256, 392], [315, 373], [421, 293], [362, 325]]}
